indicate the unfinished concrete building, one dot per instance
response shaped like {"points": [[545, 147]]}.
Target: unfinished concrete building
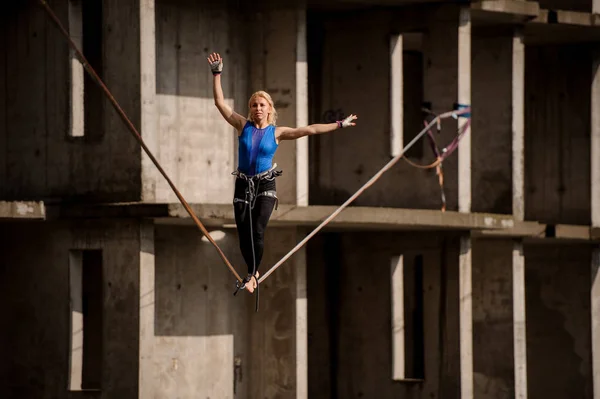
{"points": [[109, 290]]}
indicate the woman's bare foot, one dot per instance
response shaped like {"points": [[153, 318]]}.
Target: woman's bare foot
{"points": [[253, 283]]}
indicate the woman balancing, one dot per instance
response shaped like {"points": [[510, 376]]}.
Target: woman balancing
{"points": [[255, 193]]}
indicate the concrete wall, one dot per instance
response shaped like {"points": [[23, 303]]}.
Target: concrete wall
{"points": [[557, 134], [493, 365], [558, 322], [272, 36], [574, 5], [34, 292], [358, 82], [201, 328], [491, 153], [195, 145], [350, 352], [37, 158]]}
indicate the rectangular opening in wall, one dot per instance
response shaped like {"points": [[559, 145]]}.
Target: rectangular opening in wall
{"points": [[408, 348], [86, 97], [86, 299], [412, 65]]}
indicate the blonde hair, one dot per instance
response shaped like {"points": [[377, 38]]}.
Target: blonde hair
{"points": [[272, 117]]}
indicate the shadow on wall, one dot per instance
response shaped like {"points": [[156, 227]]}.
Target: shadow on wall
{"points": [[194, 289]]}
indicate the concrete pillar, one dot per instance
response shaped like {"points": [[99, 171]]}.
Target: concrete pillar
{"points": [[301, 323], [149, 114], [76, 127], [519, 321], [518, 126], [302, 160], [466, 318], [595, 313], [464, 205], [396, 96], [595, 138], [595, 204], [518, 206], [464, 97], [146, 311]]}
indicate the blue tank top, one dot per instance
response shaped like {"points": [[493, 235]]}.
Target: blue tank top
{"points": [[256, 149]]}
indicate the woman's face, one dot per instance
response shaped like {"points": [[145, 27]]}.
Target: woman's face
{"points": [[259, 109]]}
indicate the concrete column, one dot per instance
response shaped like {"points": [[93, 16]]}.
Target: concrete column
{"points": [[519, 321], [466, 318], [518, 126], [396, 96], [76, 127], [595, 205], [302, 159], [149, 113], [595, 312], [464, 97], [146, 311], [595, 138], [301, 323]]}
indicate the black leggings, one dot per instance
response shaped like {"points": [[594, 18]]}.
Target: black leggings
{"points": [[252, 222]]}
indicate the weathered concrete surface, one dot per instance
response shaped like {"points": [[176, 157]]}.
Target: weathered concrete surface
{"points": [[465, 316], [34, 290], [217, 215], [573, 5], [558, 322], [274, 364], [197, 148], [349, 302], [149, 105], [195, 145], [38, 159], [595, 319], [273, 35], [464, 97], [147, 310], [595, 135], [518, 125], [557, 142], [201, 328], [492, 121], [22, 210], [500, 9], [493, 319], [338, 168], [351, 217]]}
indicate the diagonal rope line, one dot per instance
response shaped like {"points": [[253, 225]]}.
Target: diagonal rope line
{"points": [[363, 188], [135, 133]]}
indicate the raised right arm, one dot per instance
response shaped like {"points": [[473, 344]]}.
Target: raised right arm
{"points": [[233, 118]]}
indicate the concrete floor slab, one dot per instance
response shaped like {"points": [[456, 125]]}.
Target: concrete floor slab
{"points": [[11, 210]]}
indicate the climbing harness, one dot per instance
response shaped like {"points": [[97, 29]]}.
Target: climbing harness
{"points": [[462, 111], [251, 194]]}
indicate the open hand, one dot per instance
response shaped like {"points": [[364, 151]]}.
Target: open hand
{"points": [[348, 121], [216, 63]]}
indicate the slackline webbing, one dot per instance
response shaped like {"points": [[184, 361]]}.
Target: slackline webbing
{"points": [[369, 183], [138, 137], [135, 133]]}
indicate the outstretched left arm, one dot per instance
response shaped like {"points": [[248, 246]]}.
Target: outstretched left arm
{"points": [[288, 133]]}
